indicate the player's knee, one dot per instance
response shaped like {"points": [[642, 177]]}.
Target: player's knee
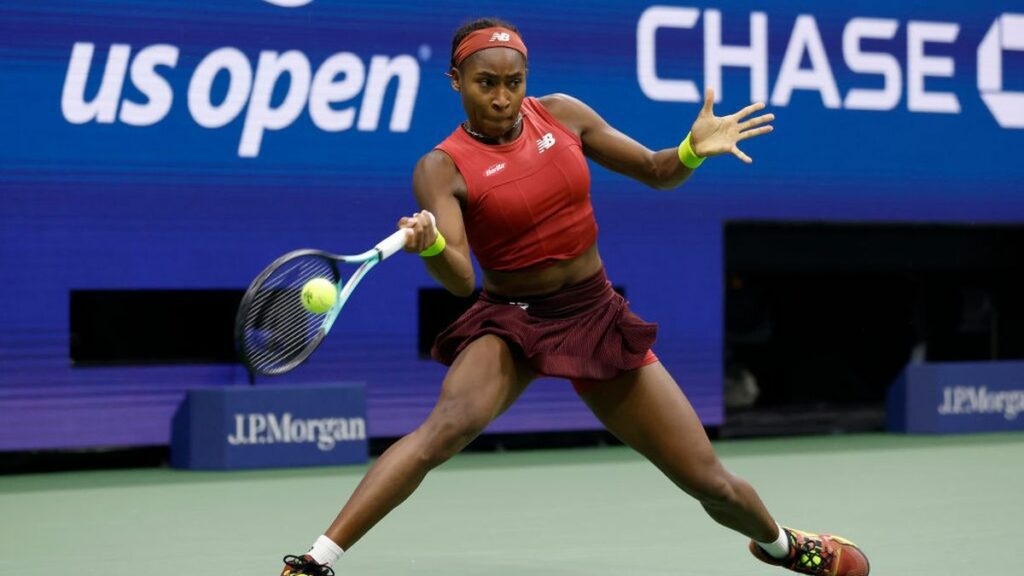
{"points": [[447, 432], [704, 478], [715, 489]]}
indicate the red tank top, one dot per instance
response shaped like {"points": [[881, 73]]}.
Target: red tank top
{"points": [[528, 200]]}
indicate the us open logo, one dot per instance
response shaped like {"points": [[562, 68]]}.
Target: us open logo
{"points": [[345, 91]]}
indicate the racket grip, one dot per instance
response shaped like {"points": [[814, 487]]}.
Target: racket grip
{"points": [[393, 243]]}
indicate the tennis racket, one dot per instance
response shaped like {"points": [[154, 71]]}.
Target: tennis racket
{"points": [[274, 332]]}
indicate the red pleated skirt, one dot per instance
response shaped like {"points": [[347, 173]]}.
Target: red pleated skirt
{"points": [[584, 331]]}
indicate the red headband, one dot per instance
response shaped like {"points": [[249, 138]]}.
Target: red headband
{"points": [[488, 38]]}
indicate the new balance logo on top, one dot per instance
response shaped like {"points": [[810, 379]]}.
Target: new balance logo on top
{"points": [[500, 37], [546, 141], [495, 169]]}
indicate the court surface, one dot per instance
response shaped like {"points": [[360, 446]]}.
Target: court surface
{"points": [[917, 505]]}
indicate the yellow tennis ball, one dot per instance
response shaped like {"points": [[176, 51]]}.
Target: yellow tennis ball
{"points": [[318, 295]]}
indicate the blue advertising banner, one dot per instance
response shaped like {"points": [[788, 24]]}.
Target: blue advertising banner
{"points": [[957, 397], [167, 144], [270, 426]]}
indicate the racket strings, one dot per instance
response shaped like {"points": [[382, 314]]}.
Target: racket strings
{"points": [[277, 329], [280, 328]]}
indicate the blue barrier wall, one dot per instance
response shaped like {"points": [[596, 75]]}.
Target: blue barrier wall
{"points": [[185, 144]]}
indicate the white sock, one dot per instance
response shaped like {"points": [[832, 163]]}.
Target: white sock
{"points": [[778, 549], [325, 551]]}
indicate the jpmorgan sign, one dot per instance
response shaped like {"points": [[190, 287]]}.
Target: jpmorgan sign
{"points": [[980, 400], [806, 44], [956, 397], [270, 426]]}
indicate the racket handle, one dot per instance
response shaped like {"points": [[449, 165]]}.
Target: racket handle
{"points": [[393, 243]]}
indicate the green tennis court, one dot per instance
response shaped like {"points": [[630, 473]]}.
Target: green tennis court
{"points": [[917, 505]]}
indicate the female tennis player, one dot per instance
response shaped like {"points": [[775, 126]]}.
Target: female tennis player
{"points": [[512, 184]]}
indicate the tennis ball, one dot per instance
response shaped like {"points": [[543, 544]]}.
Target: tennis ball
{"points": [[318, 295]]}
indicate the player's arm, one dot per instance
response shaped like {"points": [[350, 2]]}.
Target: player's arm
{"points": [[709, 136], [615, 150], [434, 182]]}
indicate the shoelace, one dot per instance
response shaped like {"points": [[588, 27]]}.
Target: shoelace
{"points": [[307, 567], [813, 555]]}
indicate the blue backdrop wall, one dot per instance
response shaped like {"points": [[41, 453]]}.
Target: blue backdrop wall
{"points": [[184, 144]]}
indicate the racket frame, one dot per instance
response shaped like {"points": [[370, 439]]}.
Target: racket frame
{"points": [[366, 260]]}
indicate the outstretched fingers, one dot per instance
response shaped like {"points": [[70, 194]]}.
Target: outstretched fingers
{"points": [[755, 126], [709, 103], [748, 110], [755, 132], [739, 154], [755, 122]]}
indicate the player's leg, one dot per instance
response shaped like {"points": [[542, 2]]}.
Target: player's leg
{"points": [[482, 383], [647, 410]]}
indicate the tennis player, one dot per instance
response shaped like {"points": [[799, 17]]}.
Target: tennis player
{"points": [[512, 182]]}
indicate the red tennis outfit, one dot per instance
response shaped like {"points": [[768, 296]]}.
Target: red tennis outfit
{"points": [[528, 205], [528, 200]]}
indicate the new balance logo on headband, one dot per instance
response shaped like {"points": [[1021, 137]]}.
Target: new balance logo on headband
{"points": [[500, 37], [546, 141]]}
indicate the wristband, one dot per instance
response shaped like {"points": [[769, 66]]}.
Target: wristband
{"points": [[687, 156], [436, 248]]}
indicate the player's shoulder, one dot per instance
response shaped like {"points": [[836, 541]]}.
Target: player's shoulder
{"points": [[435, 161], [560, 102], [436, 172], [572, 112]]}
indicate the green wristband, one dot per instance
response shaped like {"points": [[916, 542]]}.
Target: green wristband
{"points": [[687, 156], [436, 248]]}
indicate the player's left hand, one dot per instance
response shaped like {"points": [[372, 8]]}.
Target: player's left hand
{"points": [[712, 135]]}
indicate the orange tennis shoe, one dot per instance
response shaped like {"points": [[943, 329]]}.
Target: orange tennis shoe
{"points": [[818, 554], [304, 566]]}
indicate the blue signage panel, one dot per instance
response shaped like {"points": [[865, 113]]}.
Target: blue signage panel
{"points": [[270, 426], [176, 144], [957, 397]]}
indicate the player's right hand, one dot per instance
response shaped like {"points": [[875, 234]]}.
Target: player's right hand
{"points": [[424, 230]]}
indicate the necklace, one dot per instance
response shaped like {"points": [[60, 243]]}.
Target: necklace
{"points": [[483, 138]]}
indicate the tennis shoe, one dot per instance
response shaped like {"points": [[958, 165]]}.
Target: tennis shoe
{"points": [[304, 566], [818, 554]]}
